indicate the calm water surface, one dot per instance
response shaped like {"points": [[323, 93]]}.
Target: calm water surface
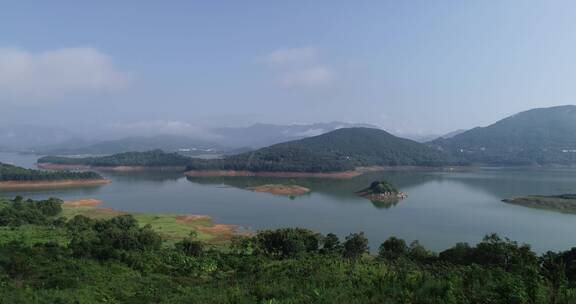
{"points": [[442, 208]]}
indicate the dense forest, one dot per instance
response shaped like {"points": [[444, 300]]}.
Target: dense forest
{"points": [[340, 150], [14, 173], [154, 158], [536, 137], [45, 258]]}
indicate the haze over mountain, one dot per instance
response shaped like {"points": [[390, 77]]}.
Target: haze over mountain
{"points": [[134, 144], [23, 136], [261, 135], [220, 140], [538, 136]]}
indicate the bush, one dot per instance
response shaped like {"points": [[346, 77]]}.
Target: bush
{"points": [[286, 242], [393, 248], [355, 246]]}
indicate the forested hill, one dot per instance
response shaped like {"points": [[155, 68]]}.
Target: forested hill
{"points": [[14, 173], [155, 158], [339, 150], [539, 136]]}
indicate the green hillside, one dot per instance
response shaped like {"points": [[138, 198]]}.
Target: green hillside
{"points": [[339, 150], [153, 158], [539, 136], [14, 173]]}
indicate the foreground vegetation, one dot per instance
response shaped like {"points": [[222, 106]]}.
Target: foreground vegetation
{"points": [[46, 258], [14, 173]]}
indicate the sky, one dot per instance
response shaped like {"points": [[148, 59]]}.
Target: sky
{"points": [[422, 67]]}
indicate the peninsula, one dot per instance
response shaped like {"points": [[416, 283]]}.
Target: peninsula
{"points": [[14, 177], [565, 203]]}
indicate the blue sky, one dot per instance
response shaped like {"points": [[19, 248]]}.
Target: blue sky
{"points": [[408, 66]]}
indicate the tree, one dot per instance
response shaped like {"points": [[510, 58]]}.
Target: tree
{"points": [[393, 248], [331, 244], [286, 242], [355, 246]]}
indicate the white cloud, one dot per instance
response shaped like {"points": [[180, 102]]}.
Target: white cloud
{"points": [[308, 77], [292, 56], [299, 68], [54, 74]]}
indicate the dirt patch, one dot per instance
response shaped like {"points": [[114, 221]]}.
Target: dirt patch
{"points": [[281, 189], [87, 202], [53, 184], [192, 218], [219, 231]]}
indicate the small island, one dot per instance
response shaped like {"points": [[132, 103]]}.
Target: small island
{"points": [[280, 189], [382, 191], [565, 203], [14, 177]]}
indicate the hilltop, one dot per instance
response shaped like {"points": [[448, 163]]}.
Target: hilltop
{"points": [[535, 137], [339, 150]]}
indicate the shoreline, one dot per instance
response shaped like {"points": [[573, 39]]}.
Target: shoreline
{"points": [[53, 184], [245, 173], [51, 166], [234, 173], [341, 174], [172, 227]]}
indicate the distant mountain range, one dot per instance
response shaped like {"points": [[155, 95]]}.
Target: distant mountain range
{"points": [[20, 137], [133, 144], [225, 140], [263, 135], [535, 137]]}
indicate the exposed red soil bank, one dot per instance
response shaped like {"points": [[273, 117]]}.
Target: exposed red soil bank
{"points": [[281, 189]]}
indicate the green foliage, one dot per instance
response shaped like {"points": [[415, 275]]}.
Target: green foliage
{"points": [[190, 246], [116, 261], [18, 212], [14, 173], [393, 248], [355, 246], [286, 242], [381, 187], [106, 239], [154, 158], [331, 244]]}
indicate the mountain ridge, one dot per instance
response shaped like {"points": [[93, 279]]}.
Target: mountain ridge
{"points": [[537, 136]]}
